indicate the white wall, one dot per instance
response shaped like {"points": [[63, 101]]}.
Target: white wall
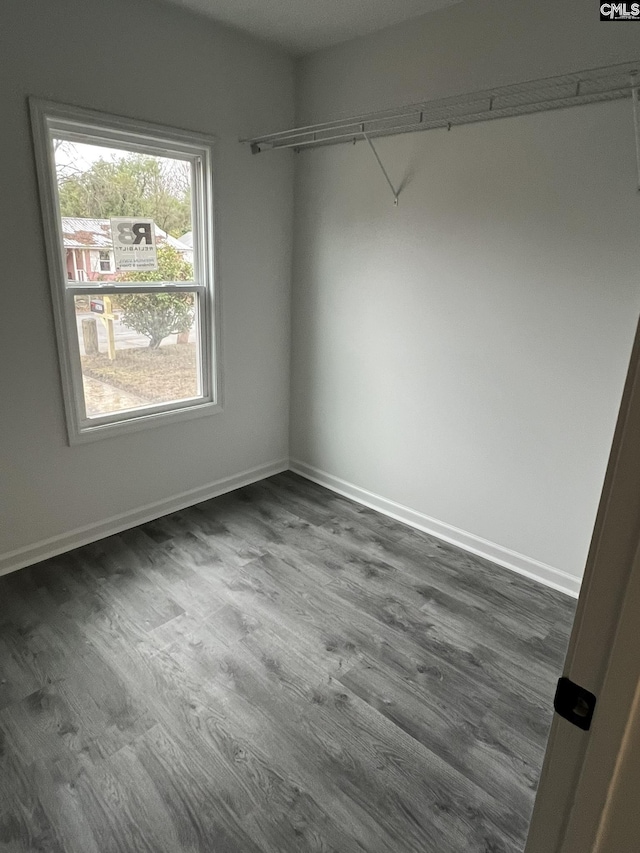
{"points": [[464, 354], [467, 47], [158, 64]]}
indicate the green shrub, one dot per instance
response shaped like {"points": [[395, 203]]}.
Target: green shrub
{"points": [[158, 315]]}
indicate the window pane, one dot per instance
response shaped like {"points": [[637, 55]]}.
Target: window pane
{"points": [[123, 214], [137, 350]]}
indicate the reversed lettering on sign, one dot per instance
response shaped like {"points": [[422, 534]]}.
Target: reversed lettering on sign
{"points": [[134, 243]]}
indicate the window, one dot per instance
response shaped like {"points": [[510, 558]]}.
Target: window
{"points": [[134, 305]]}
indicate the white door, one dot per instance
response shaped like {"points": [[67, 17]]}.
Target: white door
{"points": [[583, 804]]}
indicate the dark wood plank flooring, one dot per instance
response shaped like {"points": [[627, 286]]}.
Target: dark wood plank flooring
{"points": [[278, 669]]}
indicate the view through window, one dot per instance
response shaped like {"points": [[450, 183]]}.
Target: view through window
{"points": [[136, 349]]}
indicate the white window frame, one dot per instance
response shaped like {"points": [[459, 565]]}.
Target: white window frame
{"points": [[51, 120]]}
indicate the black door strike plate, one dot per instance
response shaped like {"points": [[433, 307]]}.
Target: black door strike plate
{"points": [[574, 703]]}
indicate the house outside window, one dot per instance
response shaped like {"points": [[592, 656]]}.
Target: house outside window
{"points": [[135, 307]]}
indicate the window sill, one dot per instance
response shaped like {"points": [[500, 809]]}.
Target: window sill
{"points": [[85, 434]]}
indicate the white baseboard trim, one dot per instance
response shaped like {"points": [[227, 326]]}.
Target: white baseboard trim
{"points": [[530, 568], [46, 548]]}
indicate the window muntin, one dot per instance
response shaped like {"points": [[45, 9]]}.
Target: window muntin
{"points": [[136, 346]]}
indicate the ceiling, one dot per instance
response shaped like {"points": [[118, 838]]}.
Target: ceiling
{"points": [[301, 26]]}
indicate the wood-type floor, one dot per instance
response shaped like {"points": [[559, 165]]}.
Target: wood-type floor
{"points": [[277, 669]]}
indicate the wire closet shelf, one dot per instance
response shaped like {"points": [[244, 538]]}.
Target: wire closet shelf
{"points": [[584, 87]]}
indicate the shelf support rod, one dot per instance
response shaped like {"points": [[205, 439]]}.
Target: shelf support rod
{"points": [[384, 171], [635, 100]]}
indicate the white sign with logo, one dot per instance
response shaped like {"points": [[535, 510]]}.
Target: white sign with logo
{"points": [[134, 243]]}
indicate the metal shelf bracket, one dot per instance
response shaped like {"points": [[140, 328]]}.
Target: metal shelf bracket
{"points": [[384, 171]]}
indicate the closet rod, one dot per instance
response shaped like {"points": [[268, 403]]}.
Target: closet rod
{"points": [[582, 87]]}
